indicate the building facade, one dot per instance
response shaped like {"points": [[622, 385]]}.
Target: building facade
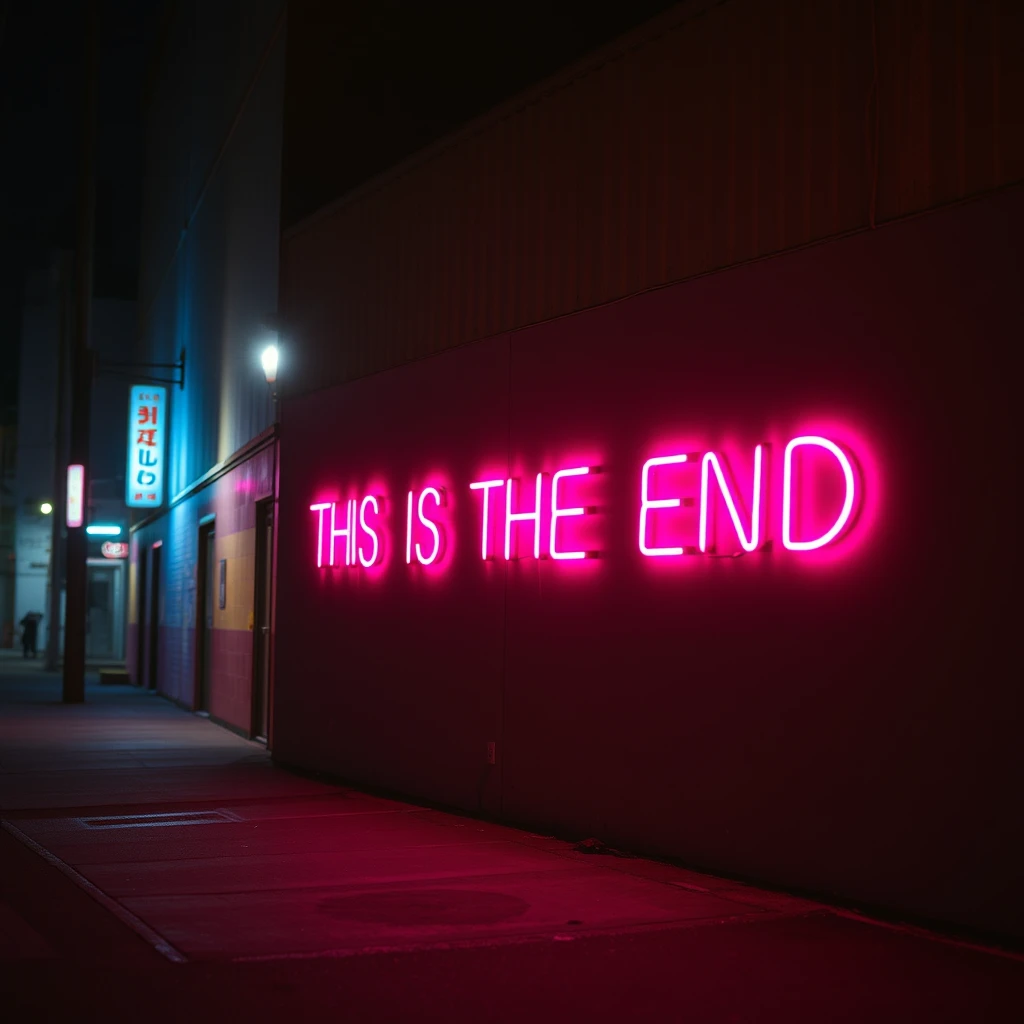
{"points": [[618, 455], [199, 593], [40, 461]]}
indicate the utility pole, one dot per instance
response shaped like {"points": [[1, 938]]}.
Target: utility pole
{"points": [[81, 374], [60, 462]]}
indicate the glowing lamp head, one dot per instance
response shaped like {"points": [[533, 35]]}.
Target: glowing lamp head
{"points": [[269, 360], [46, 508]]}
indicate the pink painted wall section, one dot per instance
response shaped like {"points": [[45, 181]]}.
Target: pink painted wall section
{"points": [[231, 696], [845, 720], [231, 499]]}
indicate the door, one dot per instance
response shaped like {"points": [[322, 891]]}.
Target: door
{"points": [[154, 614], [262, 606], [204, 615], [100, 612], [140, 619]]}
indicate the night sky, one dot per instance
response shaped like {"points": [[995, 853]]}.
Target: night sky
{"points": [[397, 75], [41, 69]]}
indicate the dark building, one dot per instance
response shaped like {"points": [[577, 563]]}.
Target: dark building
{"points": [[643, 438]]}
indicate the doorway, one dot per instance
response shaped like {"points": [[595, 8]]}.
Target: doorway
{"points": [[154, 614], [140, 619], [104, 636], [262, 605], [204, 615]]}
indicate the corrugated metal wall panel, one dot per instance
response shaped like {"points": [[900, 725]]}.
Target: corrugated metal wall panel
{"points": [[740, 130]]}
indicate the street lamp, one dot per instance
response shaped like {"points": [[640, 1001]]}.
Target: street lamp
{"points": [[269, 360], [46, 508]]}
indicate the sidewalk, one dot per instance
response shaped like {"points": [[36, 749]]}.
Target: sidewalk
{"points": [[150, 859]]}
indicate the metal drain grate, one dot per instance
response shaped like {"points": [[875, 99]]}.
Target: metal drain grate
{"points": [[167, 820]]}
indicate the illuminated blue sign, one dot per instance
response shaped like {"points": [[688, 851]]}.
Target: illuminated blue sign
{"points": [[147, 423]]}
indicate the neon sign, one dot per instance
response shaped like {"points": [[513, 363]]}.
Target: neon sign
{"points": [[76, 495], [560, 513], [436, 495], [144, 477], [787, 494], [711, 459], [731, 520], [355, 521]]}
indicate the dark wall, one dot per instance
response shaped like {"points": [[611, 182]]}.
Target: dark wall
{"points": [[371, 83], [718, 134], [844, 721]]}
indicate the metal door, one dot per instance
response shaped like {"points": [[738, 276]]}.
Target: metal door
{"points": [[204, 616], [262, 605], [154, 615]]}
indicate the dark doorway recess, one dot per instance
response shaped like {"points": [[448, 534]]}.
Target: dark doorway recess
{"points": [[262, 605], [204, 616], [154, 615], [140, 619]]}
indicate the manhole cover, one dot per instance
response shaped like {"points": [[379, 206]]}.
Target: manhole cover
{"points": [[166, 820]]}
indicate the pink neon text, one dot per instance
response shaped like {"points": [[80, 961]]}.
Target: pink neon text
{"points": [[746, 524], [423, 555], [347, 524]]}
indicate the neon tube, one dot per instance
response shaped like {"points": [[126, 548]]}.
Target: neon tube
{"points": [[787, 487], [368, 500], [408, 529], [646, 503], [435, 494], [710, 459], [511, 517], [320, 530], [560, 513], [485, 486]]}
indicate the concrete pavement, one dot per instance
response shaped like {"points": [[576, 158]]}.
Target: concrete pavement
{"points": [[152, 858]]}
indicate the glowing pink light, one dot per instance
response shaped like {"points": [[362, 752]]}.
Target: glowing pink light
{"points": [[321, 507], [787, 489], [647, 503], [76, 495], [346, 532], [710, 459], [408, 530], [519, 517], [485, 486], [438, 501], [372, 501], [351, 555], [562, 513]]}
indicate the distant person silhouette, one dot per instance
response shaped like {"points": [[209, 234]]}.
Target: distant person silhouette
{"points": [[29, 632]]}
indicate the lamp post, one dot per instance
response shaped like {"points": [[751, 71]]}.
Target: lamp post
{"points": [[269, 359], [73, 688]]}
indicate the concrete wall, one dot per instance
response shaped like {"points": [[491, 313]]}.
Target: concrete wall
{"points": [[720, 133], [844, 721]]}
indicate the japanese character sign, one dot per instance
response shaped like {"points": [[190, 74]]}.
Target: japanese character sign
{"points": [[147, 425]]}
